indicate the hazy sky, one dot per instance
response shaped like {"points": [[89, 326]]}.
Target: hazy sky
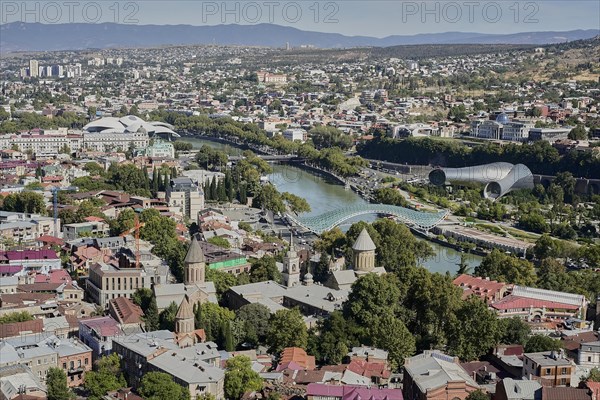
{"points": [[349, 17]]}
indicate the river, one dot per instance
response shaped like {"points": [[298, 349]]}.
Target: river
{"points": [[324, 195]]}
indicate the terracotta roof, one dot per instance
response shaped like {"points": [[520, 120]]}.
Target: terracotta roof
{"points": [[16, 328], [595, 388], [47, 239], [564, 393], [479, 286], [512, 302], [105, 326], [572, 342], [299, 356], [125, 311], [54, 276]]}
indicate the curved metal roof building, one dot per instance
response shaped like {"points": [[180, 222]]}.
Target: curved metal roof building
{"points": [[499, 178]]}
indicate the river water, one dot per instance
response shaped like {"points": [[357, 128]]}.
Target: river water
{"points": [[324, 195]]}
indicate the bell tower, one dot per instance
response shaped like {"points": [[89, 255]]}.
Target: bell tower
{"points": [[291, 266], [194, 264]]}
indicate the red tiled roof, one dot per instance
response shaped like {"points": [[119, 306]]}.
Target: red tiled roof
{"points": [[16, 328], [516, 302], [299, 356], [15, 255], [479, 286], [54, 276], [47, 239], [105, 326], [564, 393], [125, 310], [595, 388]]}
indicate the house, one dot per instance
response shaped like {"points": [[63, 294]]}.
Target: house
{"points": [[434, 375], [589, 354], [19, 382], [22, 262], [370, 354], [298, 356], [484, 288], [98, 334], [318, 391], [550, 368], [564, 393], [510, 389], [126, 312], [195, 367]]}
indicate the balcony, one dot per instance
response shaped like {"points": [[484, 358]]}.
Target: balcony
{"points": [[75, 370]]}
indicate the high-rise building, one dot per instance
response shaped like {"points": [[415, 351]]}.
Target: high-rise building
{"points": [[34, 68]]}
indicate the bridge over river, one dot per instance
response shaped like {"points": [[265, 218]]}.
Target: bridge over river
{"points": [[330, 219]]}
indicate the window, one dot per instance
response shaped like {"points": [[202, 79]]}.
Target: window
{"points": [[564, 371], [548, 371], [79, 363], [39, 362], [72, 364], [64, 365], [86, 361]]}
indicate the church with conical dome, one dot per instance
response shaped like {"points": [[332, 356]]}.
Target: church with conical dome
{"points": [[194, 287]]}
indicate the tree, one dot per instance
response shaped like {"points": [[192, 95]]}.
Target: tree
{"points": [[593, 376], [264, 269], [151, 317], [222, 280], [56, 382], [330, 240], [463, 265], [506, 268], [539, 343], [219, 241], [240, 378], [578, 133], [211, 318], [107, 377], [372, 296], [161, 386], [473, 330], [286, 329], [167, 317], [478, 395], [514, 331], [391, 334], [255, 317], [25, 202], [17, 316]]}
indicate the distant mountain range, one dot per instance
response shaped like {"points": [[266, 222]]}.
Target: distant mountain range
{"points": [[18, 36]]}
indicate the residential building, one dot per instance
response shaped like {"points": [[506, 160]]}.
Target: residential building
{"points": [[40, 352], [107, 281], [22, 263], [85, 229], [34, 68], [319, 391], [24, 228], [589, 354], [98, 333], [128, 314], [295, 135], [297, 356], [195, 367], [550, 368], [511, 389], [434, 375], [484, 288], [18, 382], [185, 196], [370, 354]]}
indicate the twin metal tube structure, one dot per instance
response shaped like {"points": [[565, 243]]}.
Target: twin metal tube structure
{"points": [[499, 178]]}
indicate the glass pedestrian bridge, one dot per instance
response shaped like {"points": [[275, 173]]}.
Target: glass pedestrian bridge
{"points": [[330, 219]]}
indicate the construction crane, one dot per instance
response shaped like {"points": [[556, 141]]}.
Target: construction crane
{"points": [[137, 225], [55, 191]]}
